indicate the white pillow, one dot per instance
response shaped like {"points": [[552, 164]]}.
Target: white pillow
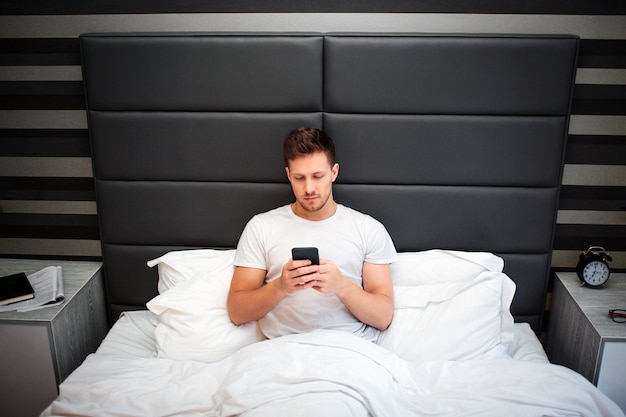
{"points": [[179, 266], [439, 266], [452, 321], [193, 321]]}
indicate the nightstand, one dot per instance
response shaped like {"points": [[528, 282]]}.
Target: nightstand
{"points": [[40, 348], [583, 337]]}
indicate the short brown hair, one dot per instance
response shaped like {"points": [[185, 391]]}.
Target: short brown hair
{"points": [[305, 141]]}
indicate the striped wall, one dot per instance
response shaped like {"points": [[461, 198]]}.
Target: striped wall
{"points": [[47, 207]]}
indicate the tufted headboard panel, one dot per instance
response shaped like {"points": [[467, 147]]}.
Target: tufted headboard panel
{"points": [[451, 141]]}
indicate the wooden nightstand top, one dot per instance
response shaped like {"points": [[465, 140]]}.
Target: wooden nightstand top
{"points": [[75, 275]]}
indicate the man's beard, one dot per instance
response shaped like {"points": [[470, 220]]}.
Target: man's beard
{"points": [[319, 204]]}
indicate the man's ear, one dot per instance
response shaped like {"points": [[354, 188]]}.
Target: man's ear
{"points": [[287, 172], [335, 171]]}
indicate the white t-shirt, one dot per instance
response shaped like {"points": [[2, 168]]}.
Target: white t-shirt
{"points": [[348, 238]]}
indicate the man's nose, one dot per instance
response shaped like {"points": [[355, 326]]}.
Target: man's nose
{"points": [[309, 186]]}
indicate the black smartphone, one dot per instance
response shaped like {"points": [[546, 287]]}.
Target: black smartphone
{"points": [[306, 253]]}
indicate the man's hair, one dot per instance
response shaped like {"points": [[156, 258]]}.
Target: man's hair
{"points": [[305, 141]]}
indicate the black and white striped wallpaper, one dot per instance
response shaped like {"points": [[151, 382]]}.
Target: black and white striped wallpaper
{"points": [[47, 207]]}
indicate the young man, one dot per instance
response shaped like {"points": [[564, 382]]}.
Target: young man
{"points": [[350, 290]]}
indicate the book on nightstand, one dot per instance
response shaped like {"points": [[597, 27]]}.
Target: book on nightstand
{"points": [[48, 291], [14, 288]]}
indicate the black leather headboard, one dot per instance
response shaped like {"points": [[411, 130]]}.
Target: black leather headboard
{"points": [[451, 141]]}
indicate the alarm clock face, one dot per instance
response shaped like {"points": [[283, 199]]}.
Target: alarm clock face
{"points": [[595, 273]]}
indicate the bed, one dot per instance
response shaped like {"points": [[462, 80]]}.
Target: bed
{"points": [[454, 142]]}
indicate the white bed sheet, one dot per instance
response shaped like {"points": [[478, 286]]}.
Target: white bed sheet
{"points": [[350, 377]]}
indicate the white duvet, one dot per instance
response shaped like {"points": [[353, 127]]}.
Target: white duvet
{"points": [[324, 373]]}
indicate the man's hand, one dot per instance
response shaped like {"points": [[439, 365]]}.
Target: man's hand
{"points": [[299, 275], [329, 280]]}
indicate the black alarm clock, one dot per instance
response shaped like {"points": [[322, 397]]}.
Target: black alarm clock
{"points": [[593, 268]]}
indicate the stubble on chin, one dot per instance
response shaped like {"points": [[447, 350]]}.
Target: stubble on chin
{"points": [[315, 206], [310, 207]]}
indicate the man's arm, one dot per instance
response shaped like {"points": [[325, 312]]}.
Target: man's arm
{"points": [[250, 299], [372, 304]]}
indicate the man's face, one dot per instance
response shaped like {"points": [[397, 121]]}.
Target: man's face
{"points": [[311, 179]]}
